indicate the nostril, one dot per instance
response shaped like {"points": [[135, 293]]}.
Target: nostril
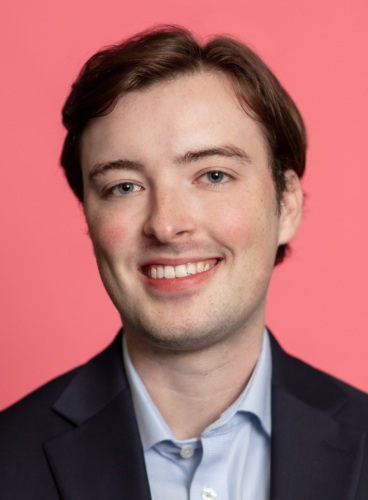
{"points": [[167, 225]]}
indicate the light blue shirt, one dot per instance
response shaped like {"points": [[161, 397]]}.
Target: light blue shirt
{"points": [[230, 460]]}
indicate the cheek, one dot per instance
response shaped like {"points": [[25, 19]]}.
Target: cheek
{"points": [[234, 229], [249, 224], [108, 233]]}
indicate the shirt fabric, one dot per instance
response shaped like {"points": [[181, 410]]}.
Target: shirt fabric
{"points": [[229, 461]]}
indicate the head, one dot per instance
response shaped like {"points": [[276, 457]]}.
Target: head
{"points": [[168, 52], [172, 150]]}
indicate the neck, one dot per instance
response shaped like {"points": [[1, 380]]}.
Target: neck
{"points": [[192, 389]]}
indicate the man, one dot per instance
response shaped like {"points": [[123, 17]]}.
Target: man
{"points": [[187, 160]]}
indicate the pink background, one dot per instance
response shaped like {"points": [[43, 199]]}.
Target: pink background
{"points": [[55, 313]]}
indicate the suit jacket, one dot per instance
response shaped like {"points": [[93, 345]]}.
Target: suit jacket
{"points": [[76, 438]]}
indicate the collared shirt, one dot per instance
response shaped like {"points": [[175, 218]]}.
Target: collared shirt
{"points": [[230, 460]]}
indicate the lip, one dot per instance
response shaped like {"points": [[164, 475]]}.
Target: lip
{"points": [[178, 284]]}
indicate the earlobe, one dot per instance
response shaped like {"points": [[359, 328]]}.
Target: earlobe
{"points": [[291, 209]]}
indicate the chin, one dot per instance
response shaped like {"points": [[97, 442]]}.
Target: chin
{"points": [[179, 338]]}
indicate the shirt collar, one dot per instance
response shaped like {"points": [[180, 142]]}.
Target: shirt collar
{"points": [[152, 427], [255, 399]]}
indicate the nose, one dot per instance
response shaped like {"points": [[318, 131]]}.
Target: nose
{"points": [[170, 217]]}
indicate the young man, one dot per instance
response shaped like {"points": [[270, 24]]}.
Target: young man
{"points": [[187, 160]]}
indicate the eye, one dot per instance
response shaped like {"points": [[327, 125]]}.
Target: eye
{"points": [[215, 177], [122, 189]]}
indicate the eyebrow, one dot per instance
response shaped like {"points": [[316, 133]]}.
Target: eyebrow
{"points": [[102, 168], [226, 151]]}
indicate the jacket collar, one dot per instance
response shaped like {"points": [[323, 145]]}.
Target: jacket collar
{"points": [[101, 456], [313, 453]]}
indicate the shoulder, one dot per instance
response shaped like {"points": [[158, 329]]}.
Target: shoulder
{"points": [[24, 427], [39, 417], [55, 409], [40, 404], [32, 418], [43, 397], [318, 389]]}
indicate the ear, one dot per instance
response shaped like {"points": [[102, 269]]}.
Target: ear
{"points": [[291, 208]]}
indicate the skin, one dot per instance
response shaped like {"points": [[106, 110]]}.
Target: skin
{"points": [[177, 173]]}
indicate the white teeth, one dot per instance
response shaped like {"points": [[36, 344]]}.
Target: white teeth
{"points": [[180, 271], [169, 272], [200, 267], [191, 268]]}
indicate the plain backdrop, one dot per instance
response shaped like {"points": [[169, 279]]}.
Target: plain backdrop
{"points": [[55, 313]]}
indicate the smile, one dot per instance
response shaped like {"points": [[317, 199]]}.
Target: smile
{"points": [[157, 271]]}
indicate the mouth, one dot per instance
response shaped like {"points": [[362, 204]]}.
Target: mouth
{"points": [[160, 271]]}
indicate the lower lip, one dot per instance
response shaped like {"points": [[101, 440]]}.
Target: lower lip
{"points": [[180, 284]]}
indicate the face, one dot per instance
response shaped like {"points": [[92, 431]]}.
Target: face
{"points": [[181, 208]]}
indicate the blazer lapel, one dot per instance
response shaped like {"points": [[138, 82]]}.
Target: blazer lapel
{"points": [[314, 456], [101, 457]]}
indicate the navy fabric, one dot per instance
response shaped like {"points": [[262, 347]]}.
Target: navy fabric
{"points": [[76, 438]]}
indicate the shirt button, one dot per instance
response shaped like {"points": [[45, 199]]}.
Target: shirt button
{"points": [[187, 451], [208, 494]]}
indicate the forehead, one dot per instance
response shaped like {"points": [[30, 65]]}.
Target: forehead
{"points": [[191, 111]]}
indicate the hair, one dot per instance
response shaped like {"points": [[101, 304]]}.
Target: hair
{"points": [[169, 51]]}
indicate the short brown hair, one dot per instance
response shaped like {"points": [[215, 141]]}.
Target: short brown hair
{"points": [[168, 51]]}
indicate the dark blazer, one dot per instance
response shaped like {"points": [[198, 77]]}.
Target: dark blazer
{"points": [[76, 438]]}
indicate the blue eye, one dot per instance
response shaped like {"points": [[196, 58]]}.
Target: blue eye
{"points": [[122, 189], [215, 176]]}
